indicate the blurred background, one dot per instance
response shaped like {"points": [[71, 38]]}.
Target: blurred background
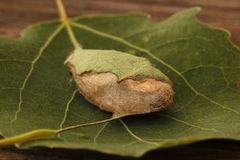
{"points": [[17, 14]]}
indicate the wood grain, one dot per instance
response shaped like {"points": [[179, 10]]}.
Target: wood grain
{"points": [[18, 14]]}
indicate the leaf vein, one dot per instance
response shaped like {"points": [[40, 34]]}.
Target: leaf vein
{"points": [[9, 88], [14, 60], [99, 132], [189, 124], [134, 135], [123, 41], [209, 66], [46, 44], [67, 108]]}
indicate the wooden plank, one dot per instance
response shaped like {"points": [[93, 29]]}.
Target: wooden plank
{"points": [[17, 14]]}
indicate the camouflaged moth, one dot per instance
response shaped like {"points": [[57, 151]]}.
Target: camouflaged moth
{"points": [[118, 82]]}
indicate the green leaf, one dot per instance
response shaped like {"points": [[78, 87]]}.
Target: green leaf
{"points": [[121, 64], [36, 90]]}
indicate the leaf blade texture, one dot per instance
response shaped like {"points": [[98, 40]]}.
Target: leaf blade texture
{"points": [[36, 90]]}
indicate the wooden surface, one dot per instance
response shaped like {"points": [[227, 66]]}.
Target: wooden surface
{"points": [[17, 14]]}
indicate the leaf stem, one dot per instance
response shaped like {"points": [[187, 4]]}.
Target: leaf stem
{"points": [[32, 135], [89, 124], [48, 133], [65, 21]]}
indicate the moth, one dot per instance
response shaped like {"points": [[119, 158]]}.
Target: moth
{"points": [[118, 82]]}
